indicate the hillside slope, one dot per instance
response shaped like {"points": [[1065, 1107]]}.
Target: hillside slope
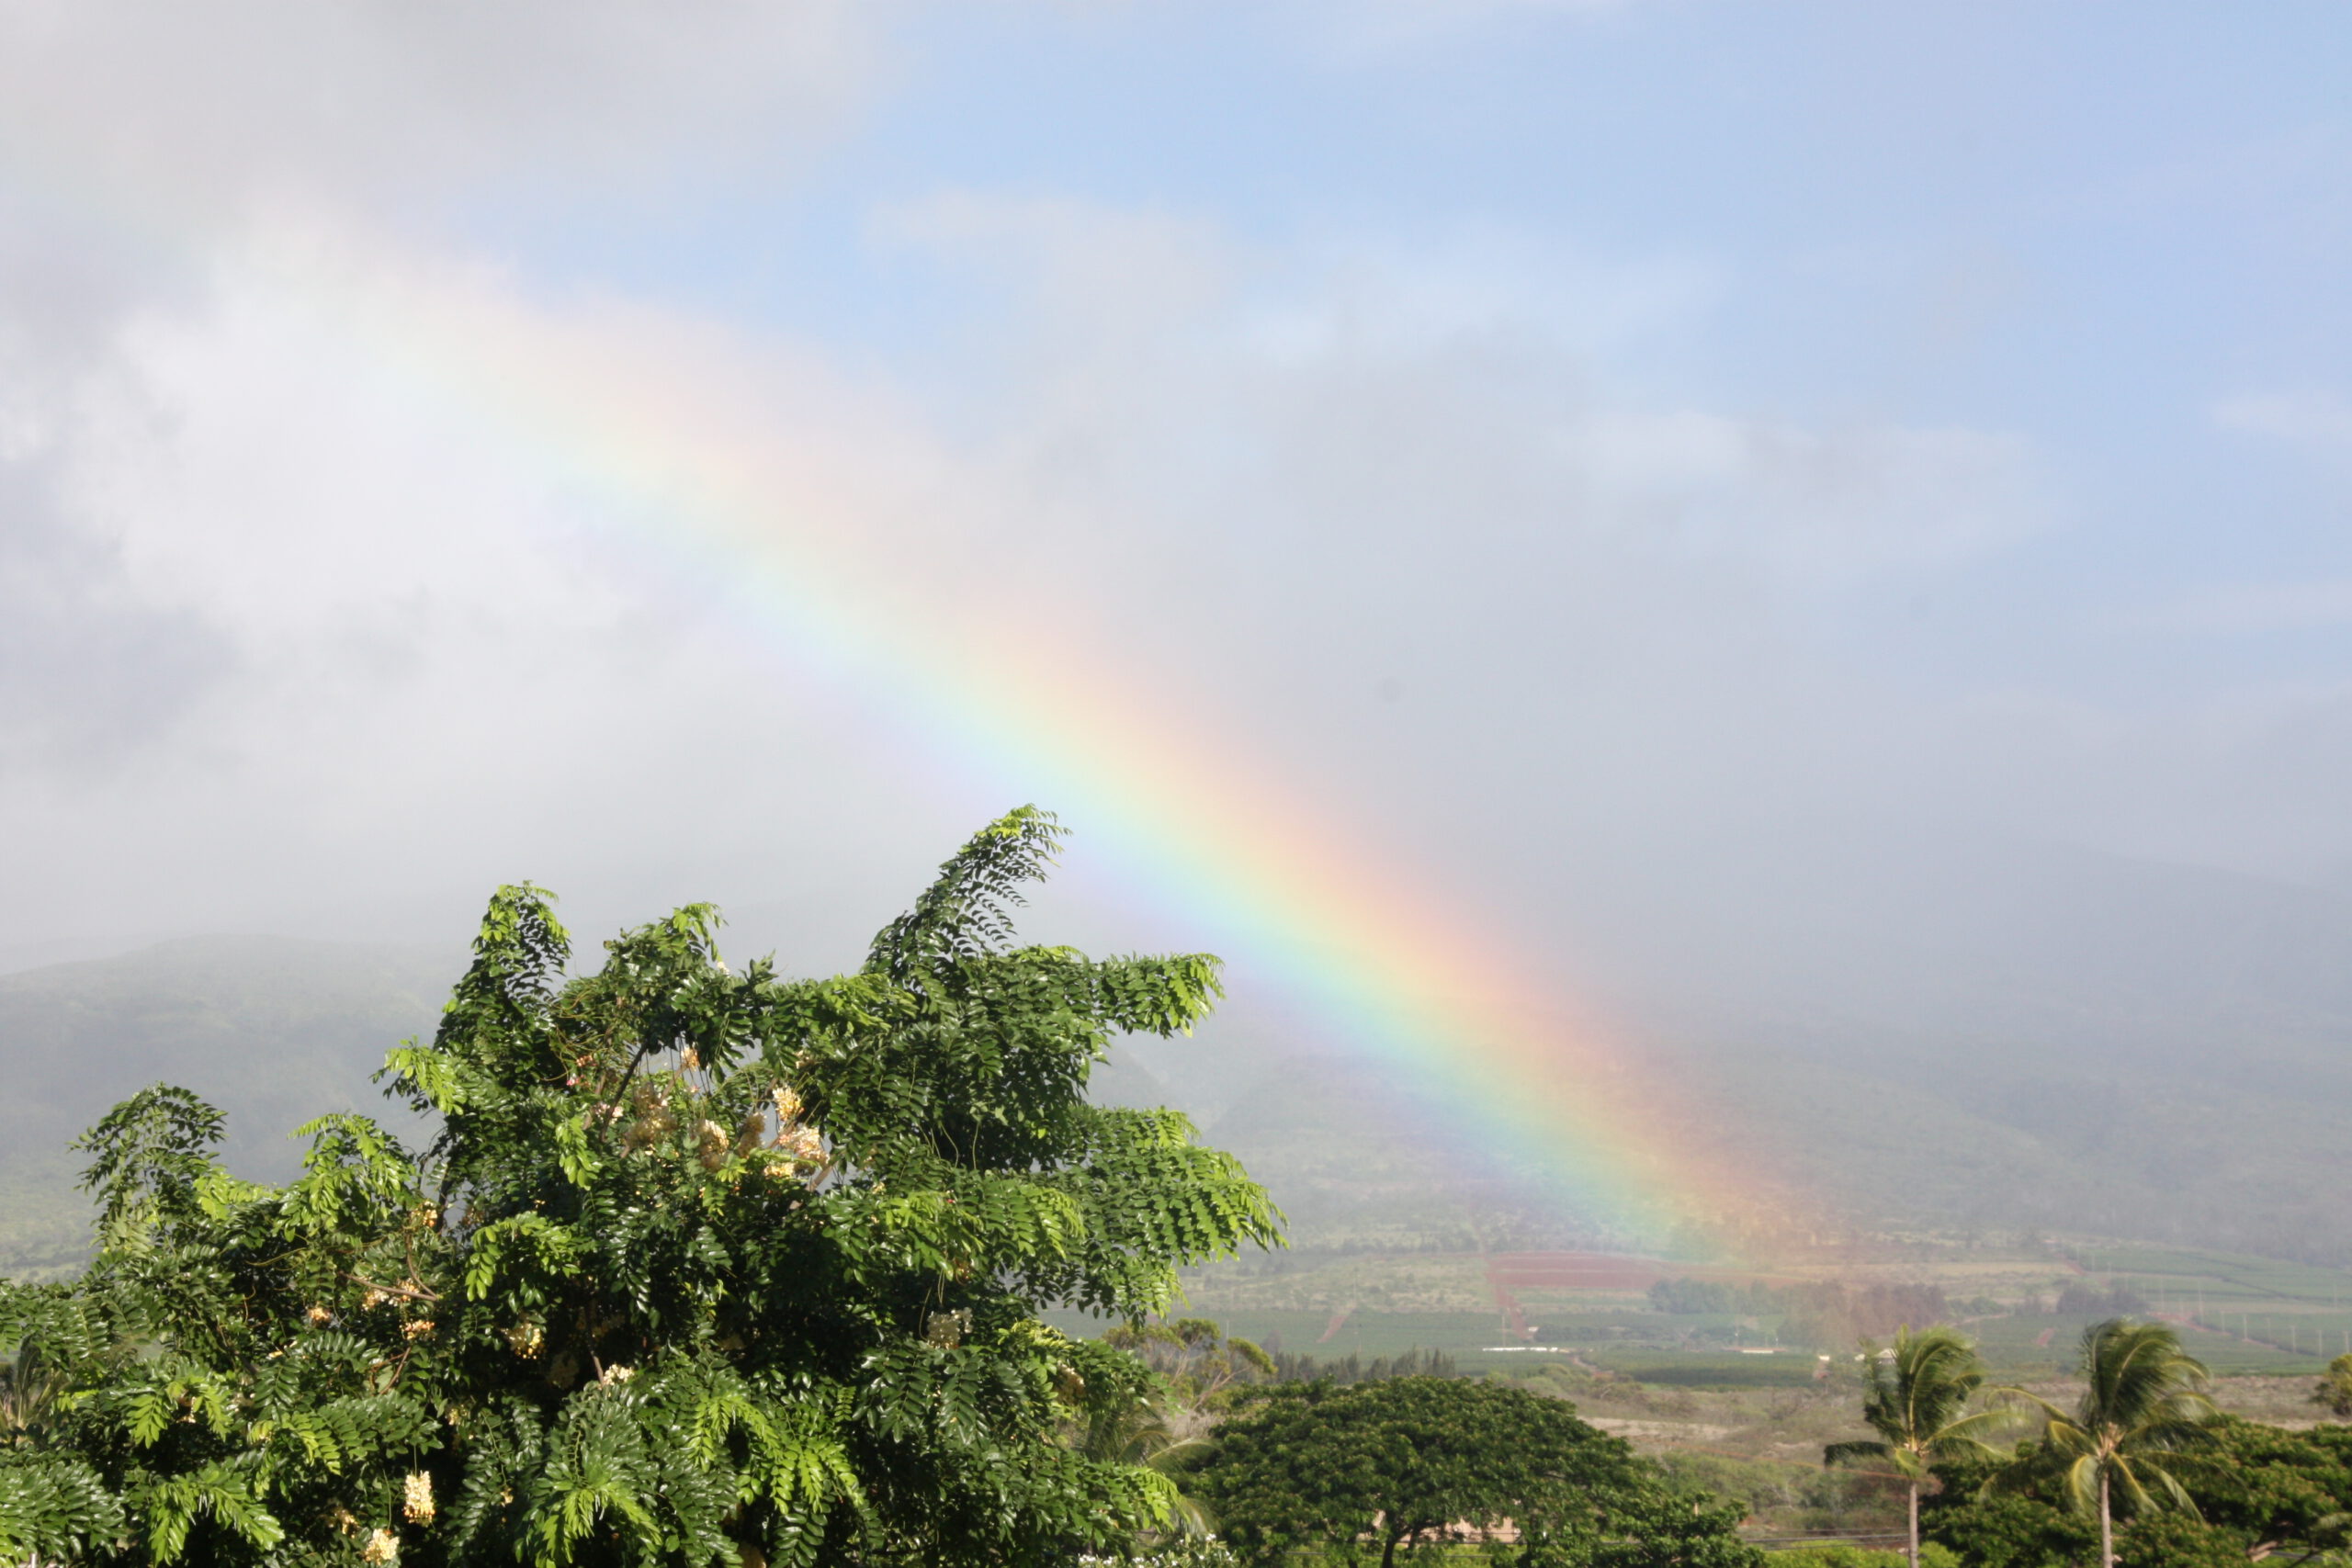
{"points": [[272, 1030], [1968, 1035]]}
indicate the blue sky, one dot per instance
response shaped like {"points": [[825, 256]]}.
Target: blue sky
{"points": [[1578, 424], [2093, 231]]}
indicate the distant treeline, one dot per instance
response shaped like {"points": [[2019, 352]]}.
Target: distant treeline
{"points": [[1290, 1367], [1201, 1361], [2121, 1301], [1833, 1315], [1826, 1314], [1749, 1298]]}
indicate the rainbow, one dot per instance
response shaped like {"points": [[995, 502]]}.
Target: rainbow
{"points": [[673, 427]]}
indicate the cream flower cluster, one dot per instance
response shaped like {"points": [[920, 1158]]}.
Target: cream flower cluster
{"points": [[794, 1139]]}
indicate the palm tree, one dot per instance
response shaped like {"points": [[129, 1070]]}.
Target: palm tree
{"points": [[1917, 1404], [31, 1388], [1195, 1363], [1152, 1434], [2141, 1404]]}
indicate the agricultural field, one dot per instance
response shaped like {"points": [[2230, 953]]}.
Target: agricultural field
{"points": [[2026, 1305], [2042, 1346], [1741, 1395]]}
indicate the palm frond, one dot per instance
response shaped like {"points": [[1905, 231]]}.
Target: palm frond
{"points": [[2139, 1406], [1965, 1437], [1919, 1389], [2081, 1480]]}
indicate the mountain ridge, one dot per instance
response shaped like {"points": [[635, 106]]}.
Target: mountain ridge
{"points": [[2013, 1038]]}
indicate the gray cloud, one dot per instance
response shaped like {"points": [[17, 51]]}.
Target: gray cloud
{"points": [[91, 671], [91, 668], [199, 112], [270, 644]]}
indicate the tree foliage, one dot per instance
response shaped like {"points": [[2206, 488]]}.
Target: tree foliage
{"points": [[701, 1267], [1195, 1369], [1299, 1366], [2333, 1390], [2015, 1525], [1402, 1461], [2260, 1495], [2144, 1445]]}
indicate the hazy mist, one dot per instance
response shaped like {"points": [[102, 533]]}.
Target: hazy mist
{"points": [[1826, 522]]}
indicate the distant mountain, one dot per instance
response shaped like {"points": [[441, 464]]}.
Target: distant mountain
{"points": [[273, 1030], [1922, 1031], [1912, 1031], [1992, 1033]]}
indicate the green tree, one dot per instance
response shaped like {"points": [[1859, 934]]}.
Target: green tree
{"points": [[1400, 1460], [2261, 1493], [2335, 1389], [1917, 1400], [2140, 1410], [702, 1267], [2179, 1539], [1993, 1520]]}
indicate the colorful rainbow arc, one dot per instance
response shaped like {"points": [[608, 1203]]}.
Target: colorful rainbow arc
{"points": [[1387, 970]]}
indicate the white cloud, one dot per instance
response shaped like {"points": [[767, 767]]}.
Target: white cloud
{"points": [[432, 649], [414, 656], [1828, 509], [2257, 607], [1414, 384], [203, 519], [2251, 777], [2319, 421]]}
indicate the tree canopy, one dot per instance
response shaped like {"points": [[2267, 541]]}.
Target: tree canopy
{"points": [[2260, 1494], [701, 1265], [2333, 1390], [1401, 1461]]}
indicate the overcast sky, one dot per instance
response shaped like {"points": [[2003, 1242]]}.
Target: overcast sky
{"points": [[1519, 434]]}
